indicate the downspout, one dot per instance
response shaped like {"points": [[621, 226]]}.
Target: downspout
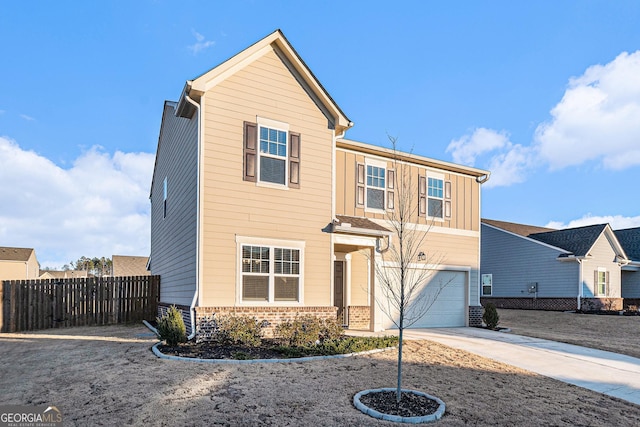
{"points": [[579, 283], [196, 293]]}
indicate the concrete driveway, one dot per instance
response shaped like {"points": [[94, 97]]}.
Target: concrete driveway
{"points": [[602, 371]]}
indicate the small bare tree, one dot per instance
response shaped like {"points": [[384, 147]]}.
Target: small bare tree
{"points": [[403, 268]]}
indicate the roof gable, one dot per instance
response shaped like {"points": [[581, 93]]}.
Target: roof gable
{"points": [[578, 241], [274, 42], [15, 254], [630, 240]]}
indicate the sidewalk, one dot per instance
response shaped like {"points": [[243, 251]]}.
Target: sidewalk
{"points": [[609, 373]]}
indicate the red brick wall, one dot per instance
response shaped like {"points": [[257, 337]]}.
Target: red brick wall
{"points": [[475, 315], [552, 304], [359, 317], [272, 315]]}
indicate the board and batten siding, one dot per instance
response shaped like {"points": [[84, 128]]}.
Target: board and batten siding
{"points": [[515, 262], [602, 255], [465, 192], [173, 238], [233, 207]]}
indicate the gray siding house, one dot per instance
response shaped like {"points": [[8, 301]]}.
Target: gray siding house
{"points": [[531, 267], [173, 222], [630, 240]]}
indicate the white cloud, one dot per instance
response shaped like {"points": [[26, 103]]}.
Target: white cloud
{"points": [[617, 222], [27, 118], [507, 162], [466, 149], [98, 207], [200, 44], [598, 118]]}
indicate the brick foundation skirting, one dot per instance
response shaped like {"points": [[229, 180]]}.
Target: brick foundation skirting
{"points": [[475, 315], [551, 304], [631, 302], [555, 304], [271, 316], [359, 317]]}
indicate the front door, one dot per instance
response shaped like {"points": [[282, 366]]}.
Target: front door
{"points": [[338, 290]]}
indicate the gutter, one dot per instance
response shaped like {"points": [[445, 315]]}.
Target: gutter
{"points": [[484, 178], [196, 293]]}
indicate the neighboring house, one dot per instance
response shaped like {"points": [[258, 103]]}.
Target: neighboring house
{"points": [[539, 268], [64, 274], [630, 240], [260, 206], [18, 264], [124, 265]]}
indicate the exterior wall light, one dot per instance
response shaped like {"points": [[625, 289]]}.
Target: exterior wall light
{"points": [[422, 256]]}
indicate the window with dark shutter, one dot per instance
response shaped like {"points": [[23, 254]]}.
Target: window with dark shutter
{"points": [[447, 199], [422, 194], [294, 160], [391, 184], [360, 177], [249, 151]]}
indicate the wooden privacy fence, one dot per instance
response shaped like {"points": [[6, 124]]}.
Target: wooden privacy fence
{"points": [[56, 303]]}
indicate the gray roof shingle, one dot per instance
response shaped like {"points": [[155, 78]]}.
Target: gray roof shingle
{"points": [[575, 240], [629, 239]]}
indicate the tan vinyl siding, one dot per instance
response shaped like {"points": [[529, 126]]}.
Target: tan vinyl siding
{"points": [[233, 207], [173, 239], [359, 279]]}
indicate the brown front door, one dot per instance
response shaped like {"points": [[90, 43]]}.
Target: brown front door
{"points": [[338, 289]]}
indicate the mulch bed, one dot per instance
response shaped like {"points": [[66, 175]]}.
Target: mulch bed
{"points": [[208, 350], [411, 405]]}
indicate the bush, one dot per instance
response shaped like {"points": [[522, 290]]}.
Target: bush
{"points": [[490, 316], [238, 330], [343, 345], [307, 330], [171, 327]]}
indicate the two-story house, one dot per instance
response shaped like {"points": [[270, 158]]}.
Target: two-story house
{"points": [[261, 206]]}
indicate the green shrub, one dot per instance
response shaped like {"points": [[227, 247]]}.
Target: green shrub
{"points": [[490, 316], [341, 345], [307, 330], [238, 330], [171, 327]]}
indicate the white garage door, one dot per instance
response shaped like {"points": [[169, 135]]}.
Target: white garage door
{"points": [[448, 290]]}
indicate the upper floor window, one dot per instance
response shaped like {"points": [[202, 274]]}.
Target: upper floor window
{"points": [[271, 153], [164, 198], [375, 187], [435, 195]]}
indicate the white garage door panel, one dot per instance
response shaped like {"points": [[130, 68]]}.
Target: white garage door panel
{"points": [[449, 309]]}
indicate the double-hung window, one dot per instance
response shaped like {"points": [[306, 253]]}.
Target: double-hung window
{"points": [[435, 197], [270, 273], [601, 282], [273, 155], [375, 187], [487, 284]]}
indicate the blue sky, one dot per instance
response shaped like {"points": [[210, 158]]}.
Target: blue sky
{"points": [[545, 94]]}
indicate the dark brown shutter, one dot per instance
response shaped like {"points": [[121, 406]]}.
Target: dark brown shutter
{"points": [[250, 151], [422, 195], [294, 160], [391, 185], [360, 177], [447, 199]]}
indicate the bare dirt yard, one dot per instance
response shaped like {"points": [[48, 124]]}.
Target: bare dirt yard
{"points": [[109, 376], [605, 332]]}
